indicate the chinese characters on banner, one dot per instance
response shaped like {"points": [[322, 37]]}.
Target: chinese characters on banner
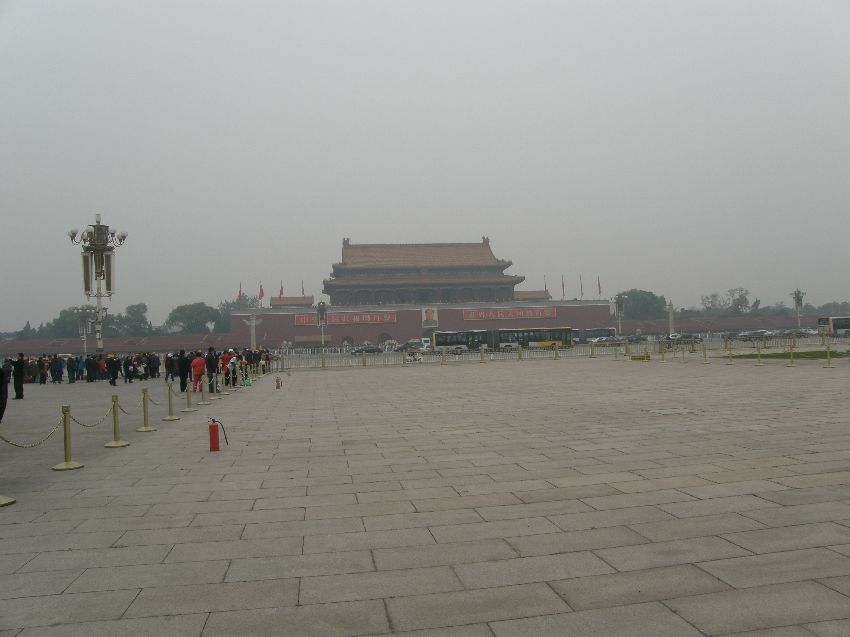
{"points": [[344, 318], [510, 313]]}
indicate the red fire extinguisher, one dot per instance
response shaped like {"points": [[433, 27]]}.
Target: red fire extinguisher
{"points": [[214, 425]]}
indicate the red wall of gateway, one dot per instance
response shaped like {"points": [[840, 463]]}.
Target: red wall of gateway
{"points": [[403, 323]]}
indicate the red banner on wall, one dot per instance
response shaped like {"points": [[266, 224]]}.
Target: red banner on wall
{"points": [[347, 318], [510, 313]]}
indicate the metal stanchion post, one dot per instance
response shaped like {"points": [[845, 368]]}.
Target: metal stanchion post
{"points": [[203, 400], [729, 352], [364, 359], [189, 402], [145, 424], [6, 500], [828, 358], [557, 353], [662, 349], [519, 352], [222, 389], [592, 352], [66, 427], [684, 352], [322, 358], [403, 359], [704, 354], [791, 356], [758, 352], [442, 357], [214, 384], [170, 415], [116, 435]]}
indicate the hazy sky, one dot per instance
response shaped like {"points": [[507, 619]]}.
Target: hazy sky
{"points": [[679, 146]]}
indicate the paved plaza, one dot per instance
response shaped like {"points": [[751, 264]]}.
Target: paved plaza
{"points": [[514, 498]]}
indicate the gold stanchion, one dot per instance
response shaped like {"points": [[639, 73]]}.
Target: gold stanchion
{"points": [[223, 388], [828, 358], [322, 357], [403, 359], [705, 360], [170, 415], [519, 352], [791, 356], [116, 436], [557, 353], [145, 425], [214, 382], [758, 351], [627, 352], [592, 351], [66, 427], [189, 407], [364, 359], [730, 362], [442, 357], [203, 400], [684, 352], [6, 501]]}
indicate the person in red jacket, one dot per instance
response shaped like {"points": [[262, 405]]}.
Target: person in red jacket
{"points": [[199, 366]]}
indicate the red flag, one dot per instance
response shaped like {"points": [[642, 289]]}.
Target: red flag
{"points": [[239, 296], [302, 287], [281, 290], [261, 294]]}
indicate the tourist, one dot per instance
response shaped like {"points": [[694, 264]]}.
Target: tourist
{"points": [[199, 366], [183, 367], [18, 369]]}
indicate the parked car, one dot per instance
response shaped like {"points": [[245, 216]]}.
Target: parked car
{"points": [[690, 338], [367, 349], [754, 335]]}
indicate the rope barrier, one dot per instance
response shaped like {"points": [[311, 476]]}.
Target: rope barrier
{"points": [[82, 424], [30, 445], [124, 410]]}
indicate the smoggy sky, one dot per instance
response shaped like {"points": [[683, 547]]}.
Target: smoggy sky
{"points": [[679, 146]]}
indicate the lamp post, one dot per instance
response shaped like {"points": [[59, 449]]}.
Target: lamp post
{"points": [[620, 301], [798, 295], [99, 242], [322, 318], [670, 311]]}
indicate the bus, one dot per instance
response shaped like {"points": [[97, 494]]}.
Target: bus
{"points": [[834, 325], [583, 336], [504, 339]]}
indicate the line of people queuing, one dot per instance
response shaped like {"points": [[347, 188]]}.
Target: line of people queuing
{"points": [[194, 365]]}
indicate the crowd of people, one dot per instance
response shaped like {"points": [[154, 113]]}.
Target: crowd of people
{"points": [[194, 366]]}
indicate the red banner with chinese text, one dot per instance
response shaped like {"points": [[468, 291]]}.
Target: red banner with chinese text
{"points": [[510, 313], [348, 318]]}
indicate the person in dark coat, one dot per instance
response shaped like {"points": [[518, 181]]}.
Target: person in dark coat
{"points": [[212, 368], [183, 367], [18, 369], [4, 391], [113, 368]]}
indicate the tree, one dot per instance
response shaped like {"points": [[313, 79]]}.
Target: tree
{"points": [[26, 333], [226, 308], [192, 318], [739, 302], [641, 304]]}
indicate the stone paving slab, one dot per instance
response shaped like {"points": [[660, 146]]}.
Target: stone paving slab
{"points": [[647, 499]]}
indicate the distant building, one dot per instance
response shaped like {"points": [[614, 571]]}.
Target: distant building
{"points": [[417, 273]]}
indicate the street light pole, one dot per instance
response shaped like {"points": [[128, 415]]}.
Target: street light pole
{"points": [[798, 295], [99, 242], [620, 304], [670, 310]]}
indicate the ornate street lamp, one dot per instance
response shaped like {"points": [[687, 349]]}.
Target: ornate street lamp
{"points": [[620, 304], [798, 295], [99, 243]]}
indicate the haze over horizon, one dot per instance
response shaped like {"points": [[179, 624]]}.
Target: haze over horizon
{"points": [[679, 147]]}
